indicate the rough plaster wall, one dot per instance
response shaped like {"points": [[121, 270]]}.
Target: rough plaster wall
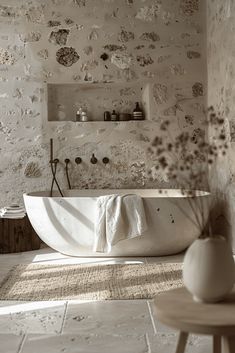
{"points": [[221, 91], [53, 41]]}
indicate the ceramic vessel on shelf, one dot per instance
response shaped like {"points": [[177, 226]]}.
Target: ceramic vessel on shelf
{"points": [[208, 270]]}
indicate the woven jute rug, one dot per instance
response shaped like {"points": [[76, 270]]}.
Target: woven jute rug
{"points": [[89, 282]]}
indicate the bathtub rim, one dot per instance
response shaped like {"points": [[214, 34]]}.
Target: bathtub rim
{"points": [[150, 193]]}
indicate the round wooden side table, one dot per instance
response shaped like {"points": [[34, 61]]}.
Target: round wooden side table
{"points": [[177, 309]]}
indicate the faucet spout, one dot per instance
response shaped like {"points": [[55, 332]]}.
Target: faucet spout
{"points": [[93, 159]]}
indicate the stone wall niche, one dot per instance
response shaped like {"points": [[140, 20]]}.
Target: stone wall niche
{"points": [[64, 100]]}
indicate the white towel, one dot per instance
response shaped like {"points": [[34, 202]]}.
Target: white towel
{"points": [[118, 217], [12, 212]]}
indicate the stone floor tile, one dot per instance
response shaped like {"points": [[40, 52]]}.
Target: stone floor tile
{"points": [[158, 326], [89, 343], [166, 343], [117, 316], [10, 343], [31, 317]]}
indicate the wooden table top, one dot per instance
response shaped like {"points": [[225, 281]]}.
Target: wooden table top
{"points": [[176, 308]]}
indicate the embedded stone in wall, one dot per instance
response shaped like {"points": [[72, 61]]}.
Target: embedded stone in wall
{"points": [[160, 93], [32, 170], [197, 89], [93, 35], [43, 54], [76, 77], [189, 119], [114, 47], [88, 50], [168, 17], [138, 173], [30, 37], [88, 77], [35, 14], [18, 93], [104, 56], [125, 36], [89, 65], [177, 70], [193, 54], [197, 134], [69, 21], [189, 7], [33, 98], [121, 60], [138, 47], [129, 2], [148, 13], [59, 37], [8, 11], [144, 138], [144, 60], [150, 36], [53, 23], [67, 56], [6, 58]]}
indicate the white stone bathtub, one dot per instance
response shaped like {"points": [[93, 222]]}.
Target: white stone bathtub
{"points": [[67, 224]]}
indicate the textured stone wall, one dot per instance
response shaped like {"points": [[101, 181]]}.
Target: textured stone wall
{"points": [[221, 93], [80, 41]]}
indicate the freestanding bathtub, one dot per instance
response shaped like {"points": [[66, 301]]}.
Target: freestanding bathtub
{"points": [[66, 224]]}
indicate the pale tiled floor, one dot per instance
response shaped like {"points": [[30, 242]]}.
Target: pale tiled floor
{"points": [[122, 326]]}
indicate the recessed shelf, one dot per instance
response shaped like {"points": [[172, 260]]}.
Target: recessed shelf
{"points": [[95, 98]]}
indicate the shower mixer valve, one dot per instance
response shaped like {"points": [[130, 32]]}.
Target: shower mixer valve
{"points": [[78, 160], [105, 160]]}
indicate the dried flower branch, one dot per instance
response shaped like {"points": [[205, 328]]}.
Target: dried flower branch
{"points": [[186, 162]]}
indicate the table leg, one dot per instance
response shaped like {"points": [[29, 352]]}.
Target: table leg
{"points": [[228, 344], [216, 344], [181, 344]]}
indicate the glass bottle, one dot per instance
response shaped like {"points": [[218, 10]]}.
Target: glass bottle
{"points": [[114, 116], [137, 112]]}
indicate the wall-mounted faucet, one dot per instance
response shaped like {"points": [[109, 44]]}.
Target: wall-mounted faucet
{"points": [[67, 161], [53, 163], [105, 160], [78, 160], [93, 159]]}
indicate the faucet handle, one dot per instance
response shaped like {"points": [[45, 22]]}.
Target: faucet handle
{"points": [[105, 160], [78, 160], [93, 159]]}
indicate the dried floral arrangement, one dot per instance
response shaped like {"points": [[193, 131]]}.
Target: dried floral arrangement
{"points": [[186, 163]]}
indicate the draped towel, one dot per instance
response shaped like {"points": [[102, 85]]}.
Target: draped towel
{"points": [[118, 217]]}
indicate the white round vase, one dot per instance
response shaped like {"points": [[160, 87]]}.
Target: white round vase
{"points": [[209, 270]]}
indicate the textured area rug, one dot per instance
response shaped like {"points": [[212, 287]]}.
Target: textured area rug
{"points": [[90, 282]]}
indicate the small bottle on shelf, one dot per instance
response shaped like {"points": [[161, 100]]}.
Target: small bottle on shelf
{"points": [[107, 116], [114, 116], [79, 114], [84, 116], [137, 112]]}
